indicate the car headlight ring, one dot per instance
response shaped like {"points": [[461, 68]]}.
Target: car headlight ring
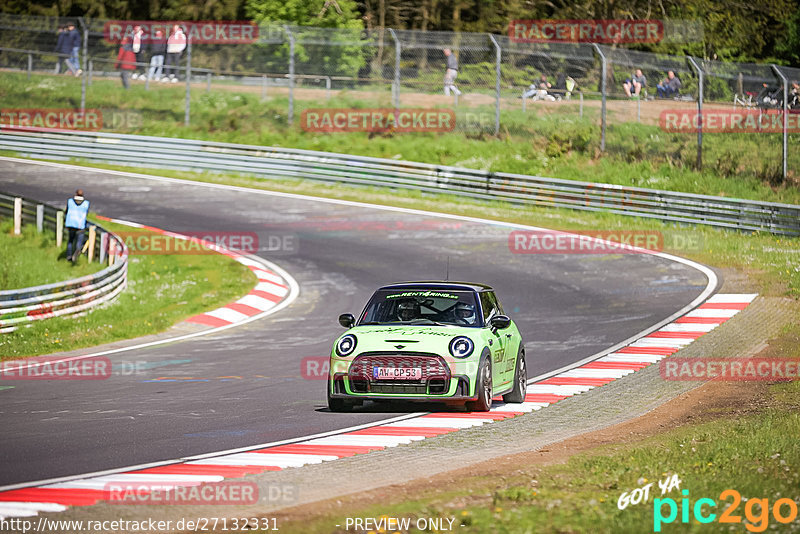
{"points": [[461, 347], [346, 345]]}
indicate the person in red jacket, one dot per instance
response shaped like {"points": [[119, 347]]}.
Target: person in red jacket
{"points": [[126, 61]]}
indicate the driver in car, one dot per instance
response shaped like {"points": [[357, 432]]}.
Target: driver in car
{"points": [[465, 313], [408, 310]]}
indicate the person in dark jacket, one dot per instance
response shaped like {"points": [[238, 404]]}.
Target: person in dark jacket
{"points": [[63, 49], [158, 49], [126, 61], [74, 40], [75, 222]]}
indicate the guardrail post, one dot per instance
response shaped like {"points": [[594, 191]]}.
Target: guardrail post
{"points": [[59, 228], [699, 72], [290, 118], [92, 241], [785, 118], [30, 65], [398, 50], [603, 74], [188, 80], [498, 53], [103, 247], [40, 218], [17, 216]]}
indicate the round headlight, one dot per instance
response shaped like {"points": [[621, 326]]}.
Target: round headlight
{"points": [[346, 345], [461, 347]]}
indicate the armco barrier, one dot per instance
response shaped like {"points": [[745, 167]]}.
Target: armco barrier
{"points": [[271, 162], [19, 306]]}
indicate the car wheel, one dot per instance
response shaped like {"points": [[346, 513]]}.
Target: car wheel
{"points": [[338, 405], [483, 389], [520, 381]]}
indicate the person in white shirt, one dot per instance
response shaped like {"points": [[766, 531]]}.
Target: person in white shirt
{"points": [[176, 44], [137, 45]]}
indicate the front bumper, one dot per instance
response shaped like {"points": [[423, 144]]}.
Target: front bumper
{"points": [[459, 388]]}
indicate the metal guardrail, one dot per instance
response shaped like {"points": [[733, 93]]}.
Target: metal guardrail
{"points": [[19, 306], [272, 162]]}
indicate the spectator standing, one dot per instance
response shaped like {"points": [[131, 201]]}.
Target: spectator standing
{"points": [[633, 85], [75, 222], [450, 73], [176, 44], [126, 61], [74, 40], [670, 86], [137, 45], [158, 49], [62, 48]]}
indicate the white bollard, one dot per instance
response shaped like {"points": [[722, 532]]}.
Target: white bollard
{"points": [[17, 216], [59, 228], [40, 218]]}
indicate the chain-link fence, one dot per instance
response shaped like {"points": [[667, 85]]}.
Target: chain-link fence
{"points": [[568, 96]]}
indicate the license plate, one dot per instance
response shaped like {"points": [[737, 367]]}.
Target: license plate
{"points": [[397, 373]]}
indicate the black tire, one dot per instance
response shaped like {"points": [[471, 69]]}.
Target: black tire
{"points": [[483, 388], [338, 405], [517, 394]]}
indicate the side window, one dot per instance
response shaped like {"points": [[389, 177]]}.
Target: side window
{"points": [[489, 305], [497, 304]]}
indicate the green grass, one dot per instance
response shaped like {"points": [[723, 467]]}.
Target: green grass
{"points": [[757, 455], [162, 290], [540, 142], [32, 259]]}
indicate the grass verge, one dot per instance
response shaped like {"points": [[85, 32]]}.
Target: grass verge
{"points": [[546, 141], [162, 290], [32, 259]]}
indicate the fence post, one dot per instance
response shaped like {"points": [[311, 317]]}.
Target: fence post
{"points": [[59, 228], [581, 105], [785, 81], [30, 65], [40, 218], [208, 82], [263, 87], [699, 73], [398, 50], [90, 70], [498, 53], [85, 51], [289, 33], [603, 74], [103, 247], [188, 80], [17, 216], [92, 240], [327, 87]]}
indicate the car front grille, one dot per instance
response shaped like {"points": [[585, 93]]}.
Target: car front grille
{"points": [[434, 381]]}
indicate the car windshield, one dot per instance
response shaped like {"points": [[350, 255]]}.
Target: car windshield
{"points": [[422, 307]]}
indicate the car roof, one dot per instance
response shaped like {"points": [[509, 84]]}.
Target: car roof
{"points": [[438, 284]]}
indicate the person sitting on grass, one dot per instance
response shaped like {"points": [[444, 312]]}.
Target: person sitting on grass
{"points": [[539, 91], [633, 85], [669, 87]]}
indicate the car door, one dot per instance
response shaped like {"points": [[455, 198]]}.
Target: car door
{"points": [[497, 340], [509, 346]]}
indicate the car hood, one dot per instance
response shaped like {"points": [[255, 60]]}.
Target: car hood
{"points": [[410, 338]]}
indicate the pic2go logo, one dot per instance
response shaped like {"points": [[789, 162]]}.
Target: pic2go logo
{"points": [[756, 511]]}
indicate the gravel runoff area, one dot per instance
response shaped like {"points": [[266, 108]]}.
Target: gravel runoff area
{"points": [[621, 400]]}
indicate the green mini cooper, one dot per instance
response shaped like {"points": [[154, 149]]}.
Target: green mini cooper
{"points": [[428, 341]]}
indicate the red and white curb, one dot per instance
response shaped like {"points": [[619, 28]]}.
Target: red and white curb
{"points": [[215, 467], [271, 290]]}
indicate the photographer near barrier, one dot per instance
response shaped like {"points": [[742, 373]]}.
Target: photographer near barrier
{"points": [[21, 306]]}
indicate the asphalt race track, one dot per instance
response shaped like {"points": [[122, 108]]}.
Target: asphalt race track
{"points": [[567, 307]]}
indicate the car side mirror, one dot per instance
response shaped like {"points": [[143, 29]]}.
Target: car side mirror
{"points": [[500, 322], [347, 320]]}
